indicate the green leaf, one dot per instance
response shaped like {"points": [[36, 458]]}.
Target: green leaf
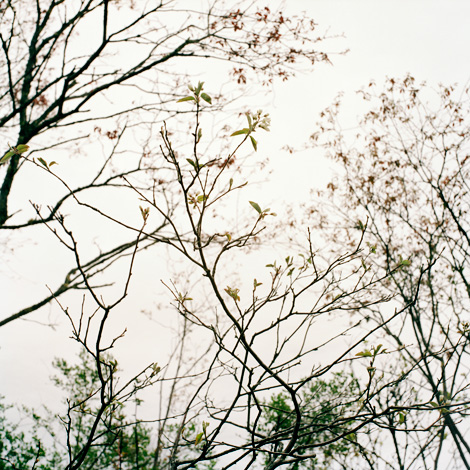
{"points": [[22, 148], [256, 206], [43, 162], [365, 353], [187, 98], [401, 418], [18, 150], [7, 156], [199, 135], [192, 163], [198, 438], [241, 131], [199, 88], [255, 144], [206, 97], [233, 292]]}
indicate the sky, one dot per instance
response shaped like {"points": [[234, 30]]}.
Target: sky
{"points": [[429, 39]]}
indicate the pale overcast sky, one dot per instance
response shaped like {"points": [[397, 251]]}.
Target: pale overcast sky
{"points": [[429, 39]]}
